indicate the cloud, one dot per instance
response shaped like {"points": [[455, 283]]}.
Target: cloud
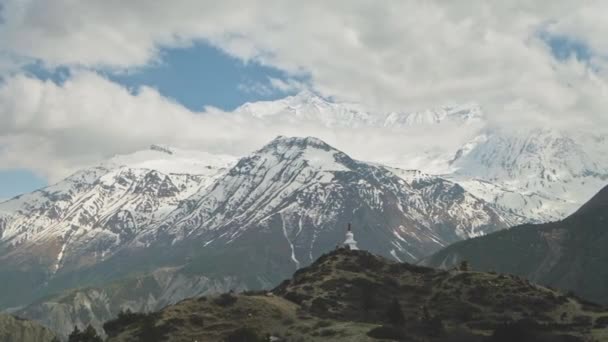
{"points": [[288, 86], [401, 54], [55, 129], [404, 55]]}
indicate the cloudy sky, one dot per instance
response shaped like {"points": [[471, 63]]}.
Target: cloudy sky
{"points": [[83, 80]]}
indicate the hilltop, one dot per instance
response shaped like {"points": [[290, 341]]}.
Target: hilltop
{"points": [[357, 296]]}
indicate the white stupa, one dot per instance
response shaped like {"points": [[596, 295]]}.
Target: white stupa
{"points": [[350, 242]]}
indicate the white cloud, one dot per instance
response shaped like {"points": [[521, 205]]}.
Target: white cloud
{"points": [[287, 86], [405, 54], [55, 129], [396, 54]]}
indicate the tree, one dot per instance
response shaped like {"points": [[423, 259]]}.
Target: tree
{"points": [[88, 335], [394, 313]]}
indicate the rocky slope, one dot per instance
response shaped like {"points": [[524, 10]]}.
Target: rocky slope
{"points": [[569, 254], [13, 329], [351, 296], [143, 293]]}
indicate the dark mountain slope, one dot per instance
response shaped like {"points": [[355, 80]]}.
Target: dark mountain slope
{"points": [[571, 254]]}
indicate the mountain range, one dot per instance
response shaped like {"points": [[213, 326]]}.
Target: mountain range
{"points": [[569, 254], [230, 225], [145, 230], [537, 174]]}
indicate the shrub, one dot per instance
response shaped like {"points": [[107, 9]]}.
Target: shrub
{"points": [[197, 320], [288, 321], [322, 306], [244, 335], [295, 297], [386, 333], [322, 324], [254, 293], [601, 322], [328, 332], [582, 320], [88, 335], [462, 335], [124, 319], [394, 313], [464, 266], [150, 332], [225, 299]]}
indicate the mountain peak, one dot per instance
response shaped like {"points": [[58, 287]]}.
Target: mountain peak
{"points": [[307, 96], [161, 148], [297, 142]]}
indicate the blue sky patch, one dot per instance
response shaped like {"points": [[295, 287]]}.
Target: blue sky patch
{"points": [[204, 76], [563, 47], [15, 182]]}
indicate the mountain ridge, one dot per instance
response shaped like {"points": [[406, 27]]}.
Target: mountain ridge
{"points": [[567, 254]]}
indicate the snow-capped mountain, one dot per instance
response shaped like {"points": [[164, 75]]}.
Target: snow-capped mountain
{"points": [[534, 175], [308, 191], [89, 215], [307, 106], [537, 174], [270, 213]]}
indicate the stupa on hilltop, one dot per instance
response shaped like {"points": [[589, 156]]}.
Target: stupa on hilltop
{"points": [[350, 242]]}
